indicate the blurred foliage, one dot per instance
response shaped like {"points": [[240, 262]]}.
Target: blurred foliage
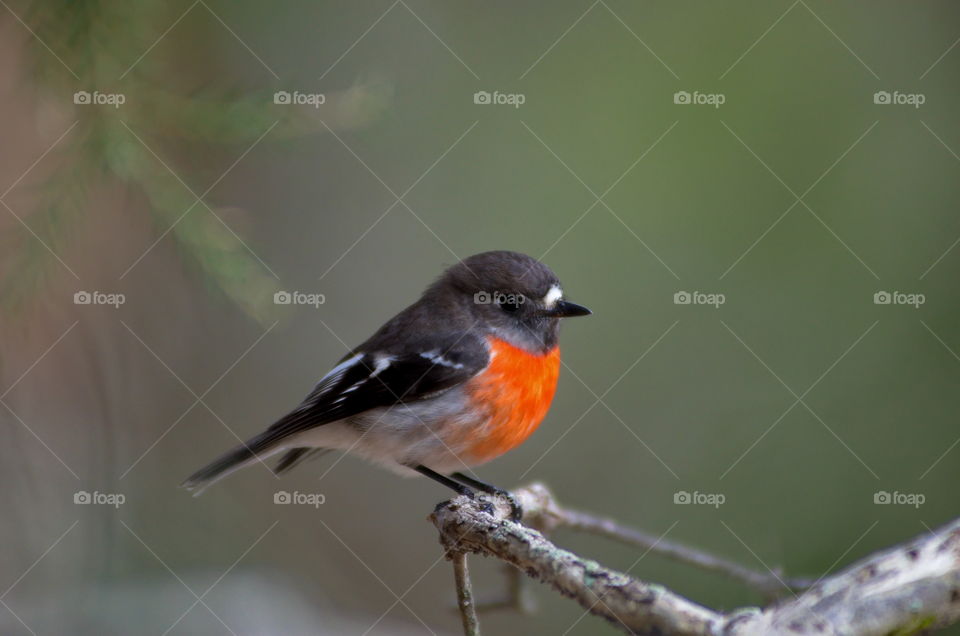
{"points": [[108, 45]]}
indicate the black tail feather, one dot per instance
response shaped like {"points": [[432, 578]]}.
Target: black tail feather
{"points": [[230, 461]]}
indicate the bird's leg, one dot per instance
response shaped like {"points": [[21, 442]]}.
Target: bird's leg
{"points": [[459, 488], [516, 510]]}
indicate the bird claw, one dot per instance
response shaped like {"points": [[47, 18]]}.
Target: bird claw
{"points": [[516, 510]]}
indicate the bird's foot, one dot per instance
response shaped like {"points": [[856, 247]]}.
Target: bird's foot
{"points": [[506, 497], [516, 510]]}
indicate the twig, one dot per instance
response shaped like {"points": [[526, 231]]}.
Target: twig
{"points": [[468, 612], [466, 525], [906, 589], [770, 585], [544, 513]]}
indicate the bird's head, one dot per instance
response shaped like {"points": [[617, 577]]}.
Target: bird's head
{"points": [[509, 295]]}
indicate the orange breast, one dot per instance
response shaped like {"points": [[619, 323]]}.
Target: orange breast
{"points": [[514, 392]]}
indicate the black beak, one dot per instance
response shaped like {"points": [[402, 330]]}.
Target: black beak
{"points": [[565, 309]]}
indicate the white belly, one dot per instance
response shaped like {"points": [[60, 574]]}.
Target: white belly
{"points": [[423, 433]]}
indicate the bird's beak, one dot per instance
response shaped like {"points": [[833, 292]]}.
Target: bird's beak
{"points": [[566, 309]]}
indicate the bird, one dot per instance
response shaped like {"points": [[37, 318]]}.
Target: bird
{"points": [[458, 378]]}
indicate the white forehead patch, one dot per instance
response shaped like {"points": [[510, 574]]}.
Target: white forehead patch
{"points": [[552, 297]]}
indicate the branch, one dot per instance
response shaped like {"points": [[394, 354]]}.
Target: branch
{"points": [[902, 590], [467, 525], [546, 515], [468, 612]]}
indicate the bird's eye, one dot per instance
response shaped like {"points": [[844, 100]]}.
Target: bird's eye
{"points": [[511, 303]]}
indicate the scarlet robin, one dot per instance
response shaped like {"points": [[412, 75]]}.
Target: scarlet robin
{"points": [[456, 379]]}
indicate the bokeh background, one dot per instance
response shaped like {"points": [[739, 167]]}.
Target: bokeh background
{"points": [[798, 199]]}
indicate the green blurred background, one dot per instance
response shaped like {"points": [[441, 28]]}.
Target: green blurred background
{"points": [[798, 199]]}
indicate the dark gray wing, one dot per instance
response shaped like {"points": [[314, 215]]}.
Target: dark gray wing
{"points": [[372, 380]]}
